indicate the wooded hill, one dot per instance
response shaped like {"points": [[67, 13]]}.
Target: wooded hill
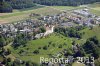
{"points": [[65, 2], [8, 5]]}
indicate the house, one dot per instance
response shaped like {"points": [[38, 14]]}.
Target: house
{"points": [[68, 24], [37, 36], [98, 18], [82, 12]]}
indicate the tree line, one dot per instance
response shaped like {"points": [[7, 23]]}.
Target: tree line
{"points": [[70, 32], [9, 5], [65, 2]]}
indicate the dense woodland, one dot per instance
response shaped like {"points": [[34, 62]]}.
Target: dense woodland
{"points": [[65, 2], [9, 5]]}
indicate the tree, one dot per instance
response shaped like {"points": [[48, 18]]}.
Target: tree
{"points": [[96, 52], [15, 64], [19, 40], [97, 62], [68, 53], [9, 5], [88, 46], [94, 39], [5, 7], [42, 29], [8, 59], [20, 4], [45, 47], [64, 2], [73, 43], [60, 46], [91, 46], [36, 52], [2, 41], [28, 63], [8, 51], [4, 61], [80, 53]]}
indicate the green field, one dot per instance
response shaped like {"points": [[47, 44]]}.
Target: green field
{"points": [[89, 33], [95, 8], [35, 44], [66, 8], [95, 11]]}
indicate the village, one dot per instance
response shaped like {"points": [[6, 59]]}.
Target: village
{"points": [[32, 27], [64, 19]]}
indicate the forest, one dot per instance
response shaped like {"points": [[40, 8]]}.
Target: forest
{"points": [[65, 2], [9, 5]]}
